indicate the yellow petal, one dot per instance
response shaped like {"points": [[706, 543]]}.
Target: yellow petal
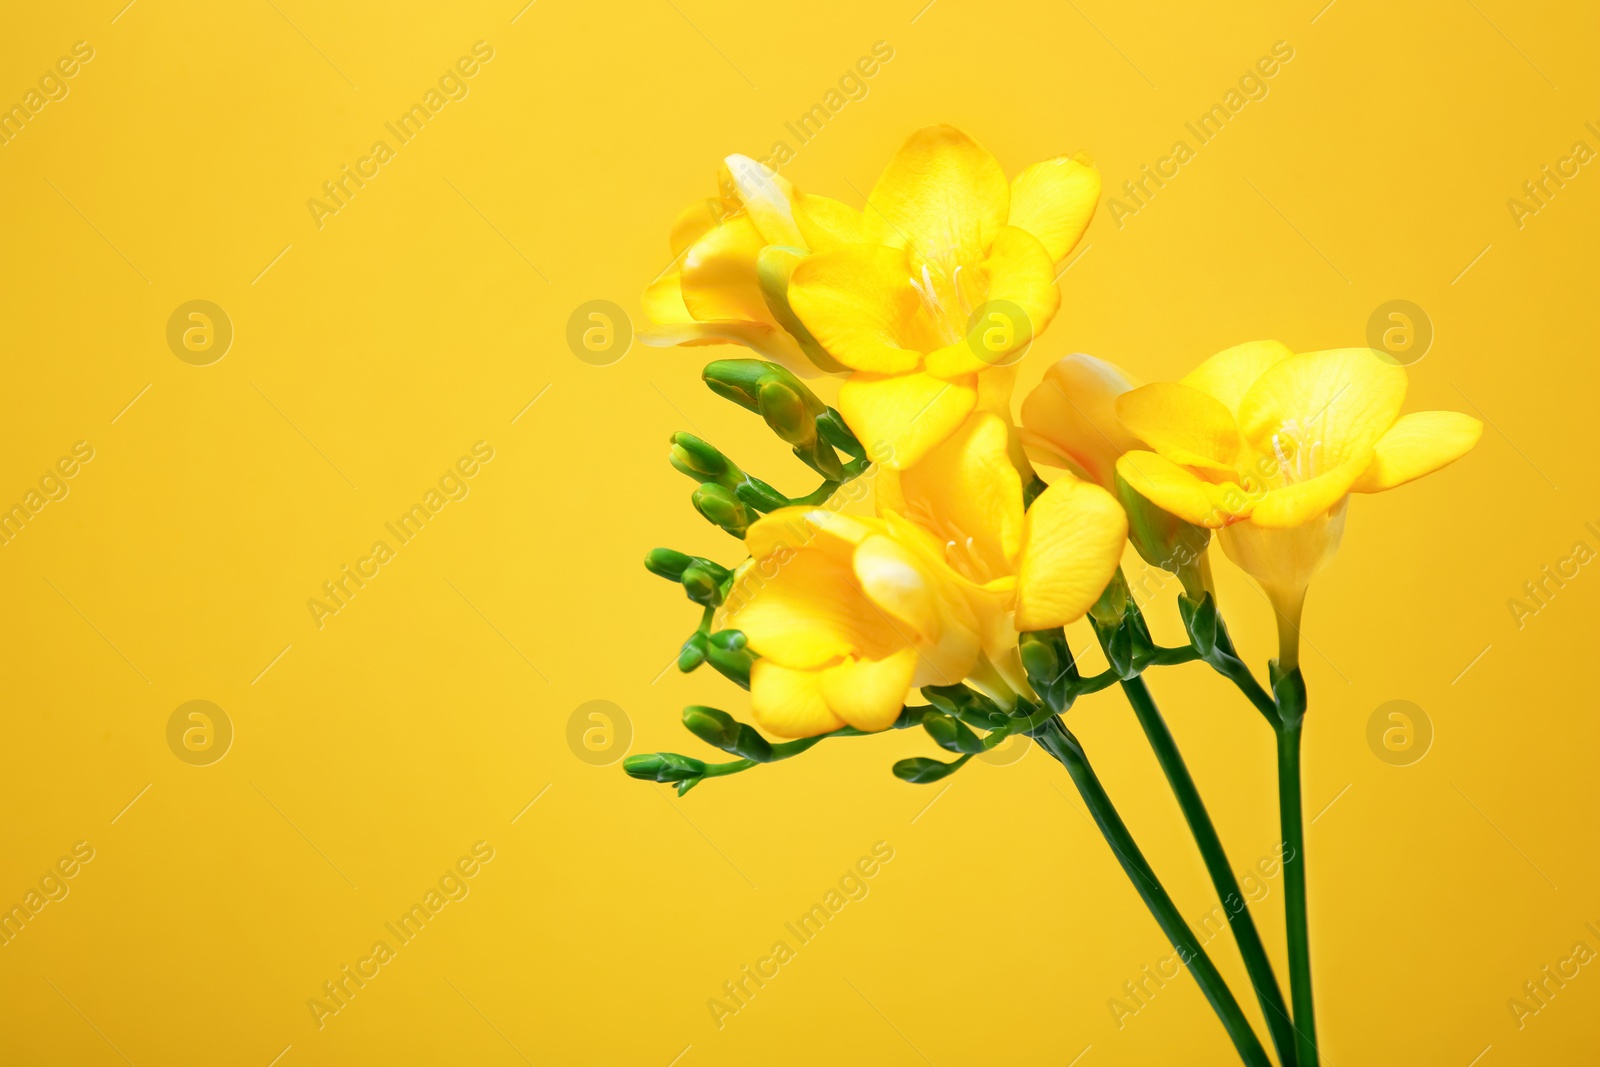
{"points": [[896, 582], [1055, 200], [719, 274], [767, 340], [1182, 423], [803, 609], [1229, 374], [826, 223], [858, 303], [1070, 418], [1022, 299], [942, 194], [1073, 545], [1284, 560], [789, 703], [663, 300], [967, 493], [765, 194], [900, 417], [1178, 490], [693, 223], [868, 694], [1317, 410], [1302, 502], [1418, 444]]}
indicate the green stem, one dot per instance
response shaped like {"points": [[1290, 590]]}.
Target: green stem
{"points": [[1268, 992], [1294, 887], [1059, 742]]}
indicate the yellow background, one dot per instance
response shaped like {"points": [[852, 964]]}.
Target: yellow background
{"points": [[425, 716]]}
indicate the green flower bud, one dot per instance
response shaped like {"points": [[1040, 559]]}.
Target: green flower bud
{"points": [[1108, 612], [785, 411], [721, 730], [966, 704], [667, 563], [950, 734], [831, 425], [1049, 666], [738, 380], [922, 770], [663, 767], [702, 461], [717, 504], [715, 728], [759, 495], [693, 652], [701, 585]]}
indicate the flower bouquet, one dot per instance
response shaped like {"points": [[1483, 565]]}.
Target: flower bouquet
{"points": [[924, 583]]}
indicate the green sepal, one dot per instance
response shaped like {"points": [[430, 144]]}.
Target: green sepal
{"points": [[919, 770], [1289, 690], [738, 380], [830, 424], [718, 506], [1162, 539], [663, 767], [1200, 620], [1031, 491], [786, 412], [1049, 666]]}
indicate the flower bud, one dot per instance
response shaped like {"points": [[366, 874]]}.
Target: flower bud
{"points": [[663, 767], [667, 563], [951, 734], [921, 770], [759, 495], [693, 652], [702, 585], [786, 412], [738, 380], [702, 461], [721, 730], [726, 652], [718, 506]]}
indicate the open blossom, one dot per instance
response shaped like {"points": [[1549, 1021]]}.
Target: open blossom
{"points": [[930, 289], [849, 615], [732, 256], [1266, 445]]}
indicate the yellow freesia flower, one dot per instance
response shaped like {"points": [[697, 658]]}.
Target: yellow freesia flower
{"points": [[1021, 570], [850, 614], [713, 292], [1070, 419], [847, 615], [948, 271], [1267, 445]]}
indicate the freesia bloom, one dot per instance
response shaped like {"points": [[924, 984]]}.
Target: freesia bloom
{"points": [[1021, 570], [1070, 419], [946, 274], [713, 293], [1267, 445], [847, 615]]}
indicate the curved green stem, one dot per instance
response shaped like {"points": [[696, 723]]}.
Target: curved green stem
{"points": [[1259, 967], [1059, 742], [1294, 887]]}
